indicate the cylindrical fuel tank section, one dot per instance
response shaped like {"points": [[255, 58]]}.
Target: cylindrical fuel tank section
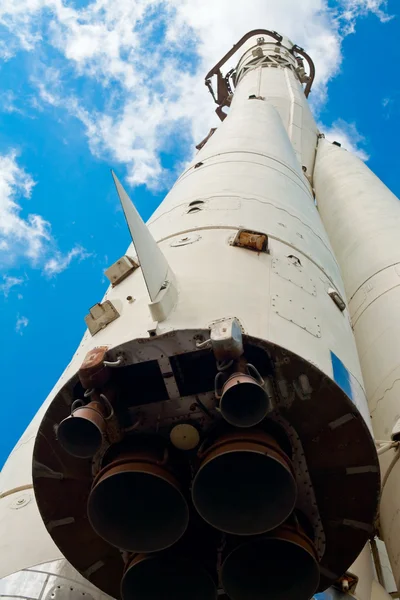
{"points": [[362, 218], [228, 443]]}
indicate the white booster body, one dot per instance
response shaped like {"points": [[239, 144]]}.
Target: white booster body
{"points": [[255, 174], [362, 218]]}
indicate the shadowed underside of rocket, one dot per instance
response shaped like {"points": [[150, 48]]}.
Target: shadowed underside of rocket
{"points": [[211, 434]]}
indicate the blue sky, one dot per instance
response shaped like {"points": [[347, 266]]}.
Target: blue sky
{"points": [[86, 86]]}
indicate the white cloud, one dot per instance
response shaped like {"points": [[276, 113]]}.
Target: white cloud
{"points": [[59, 262], [21, 324], [8, 102], [27, 235], [8, 283], [353, 9], [25, 238], [5, 51], [391, 104], [348, 136], [158, 93]]}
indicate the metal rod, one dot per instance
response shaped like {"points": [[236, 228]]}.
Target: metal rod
{"points": [[390, 467], [377, 561], [387, 447]]}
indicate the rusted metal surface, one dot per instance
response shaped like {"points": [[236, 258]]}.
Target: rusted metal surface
{"points": [[92, 372], [62, 485], [243, 466], [252, 240], [311, 66], [276, 36], [81, 434], [281, 565], [204, 142], [224, 91], [348, 583], [136, 503]]}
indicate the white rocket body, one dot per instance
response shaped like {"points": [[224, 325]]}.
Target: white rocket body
{"points": [[362, 218], [252, 180]]}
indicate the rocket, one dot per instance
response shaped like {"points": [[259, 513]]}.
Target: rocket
{"points": [[212, 434]]}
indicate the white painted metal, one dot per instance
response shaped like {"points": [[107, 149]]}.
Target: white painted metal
{"points": [[249, 174], [388, 579], [153, 263], [120, 270], [282, 89], [54, 580], [367, 586], [24, 540], [362, 218]]}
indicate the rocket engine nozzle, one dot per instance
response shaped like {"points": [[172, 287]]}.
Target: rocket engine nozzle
{"points": [[136, 503], [245, 484], [281, 565], [81, 434], [244, 402], [164, 576]]}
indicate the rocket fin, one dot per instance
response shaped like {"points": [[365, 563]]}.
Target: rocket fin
{"points": [[152, 261]]}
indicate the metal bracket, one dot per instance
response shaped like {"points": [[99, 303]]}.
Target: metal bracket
{"points": [[120, 270], [337, 298], [100, 315], [347, 583], [224, 92], [252, 240], [226, 339]]}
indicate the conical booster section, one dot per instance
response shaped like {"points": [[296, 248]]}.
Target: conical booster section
{"points": [[279, 566], [136, 503], [245, 484]]}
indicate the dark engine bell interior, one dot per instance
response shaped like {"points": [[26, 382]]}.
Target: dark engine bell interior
{"points": [[200, 504]]}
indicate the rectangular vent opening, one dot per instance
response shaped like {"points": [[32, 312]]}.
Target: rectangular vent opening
{"points": [[141, 383]]}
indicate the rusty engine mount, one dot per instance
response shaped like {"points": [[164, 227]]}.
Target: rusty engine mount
{"points": [[213, 493]]}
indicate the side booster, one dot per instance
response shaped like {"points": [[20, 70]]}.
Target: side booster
{"points": [[211, 432], [362, 218]]}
